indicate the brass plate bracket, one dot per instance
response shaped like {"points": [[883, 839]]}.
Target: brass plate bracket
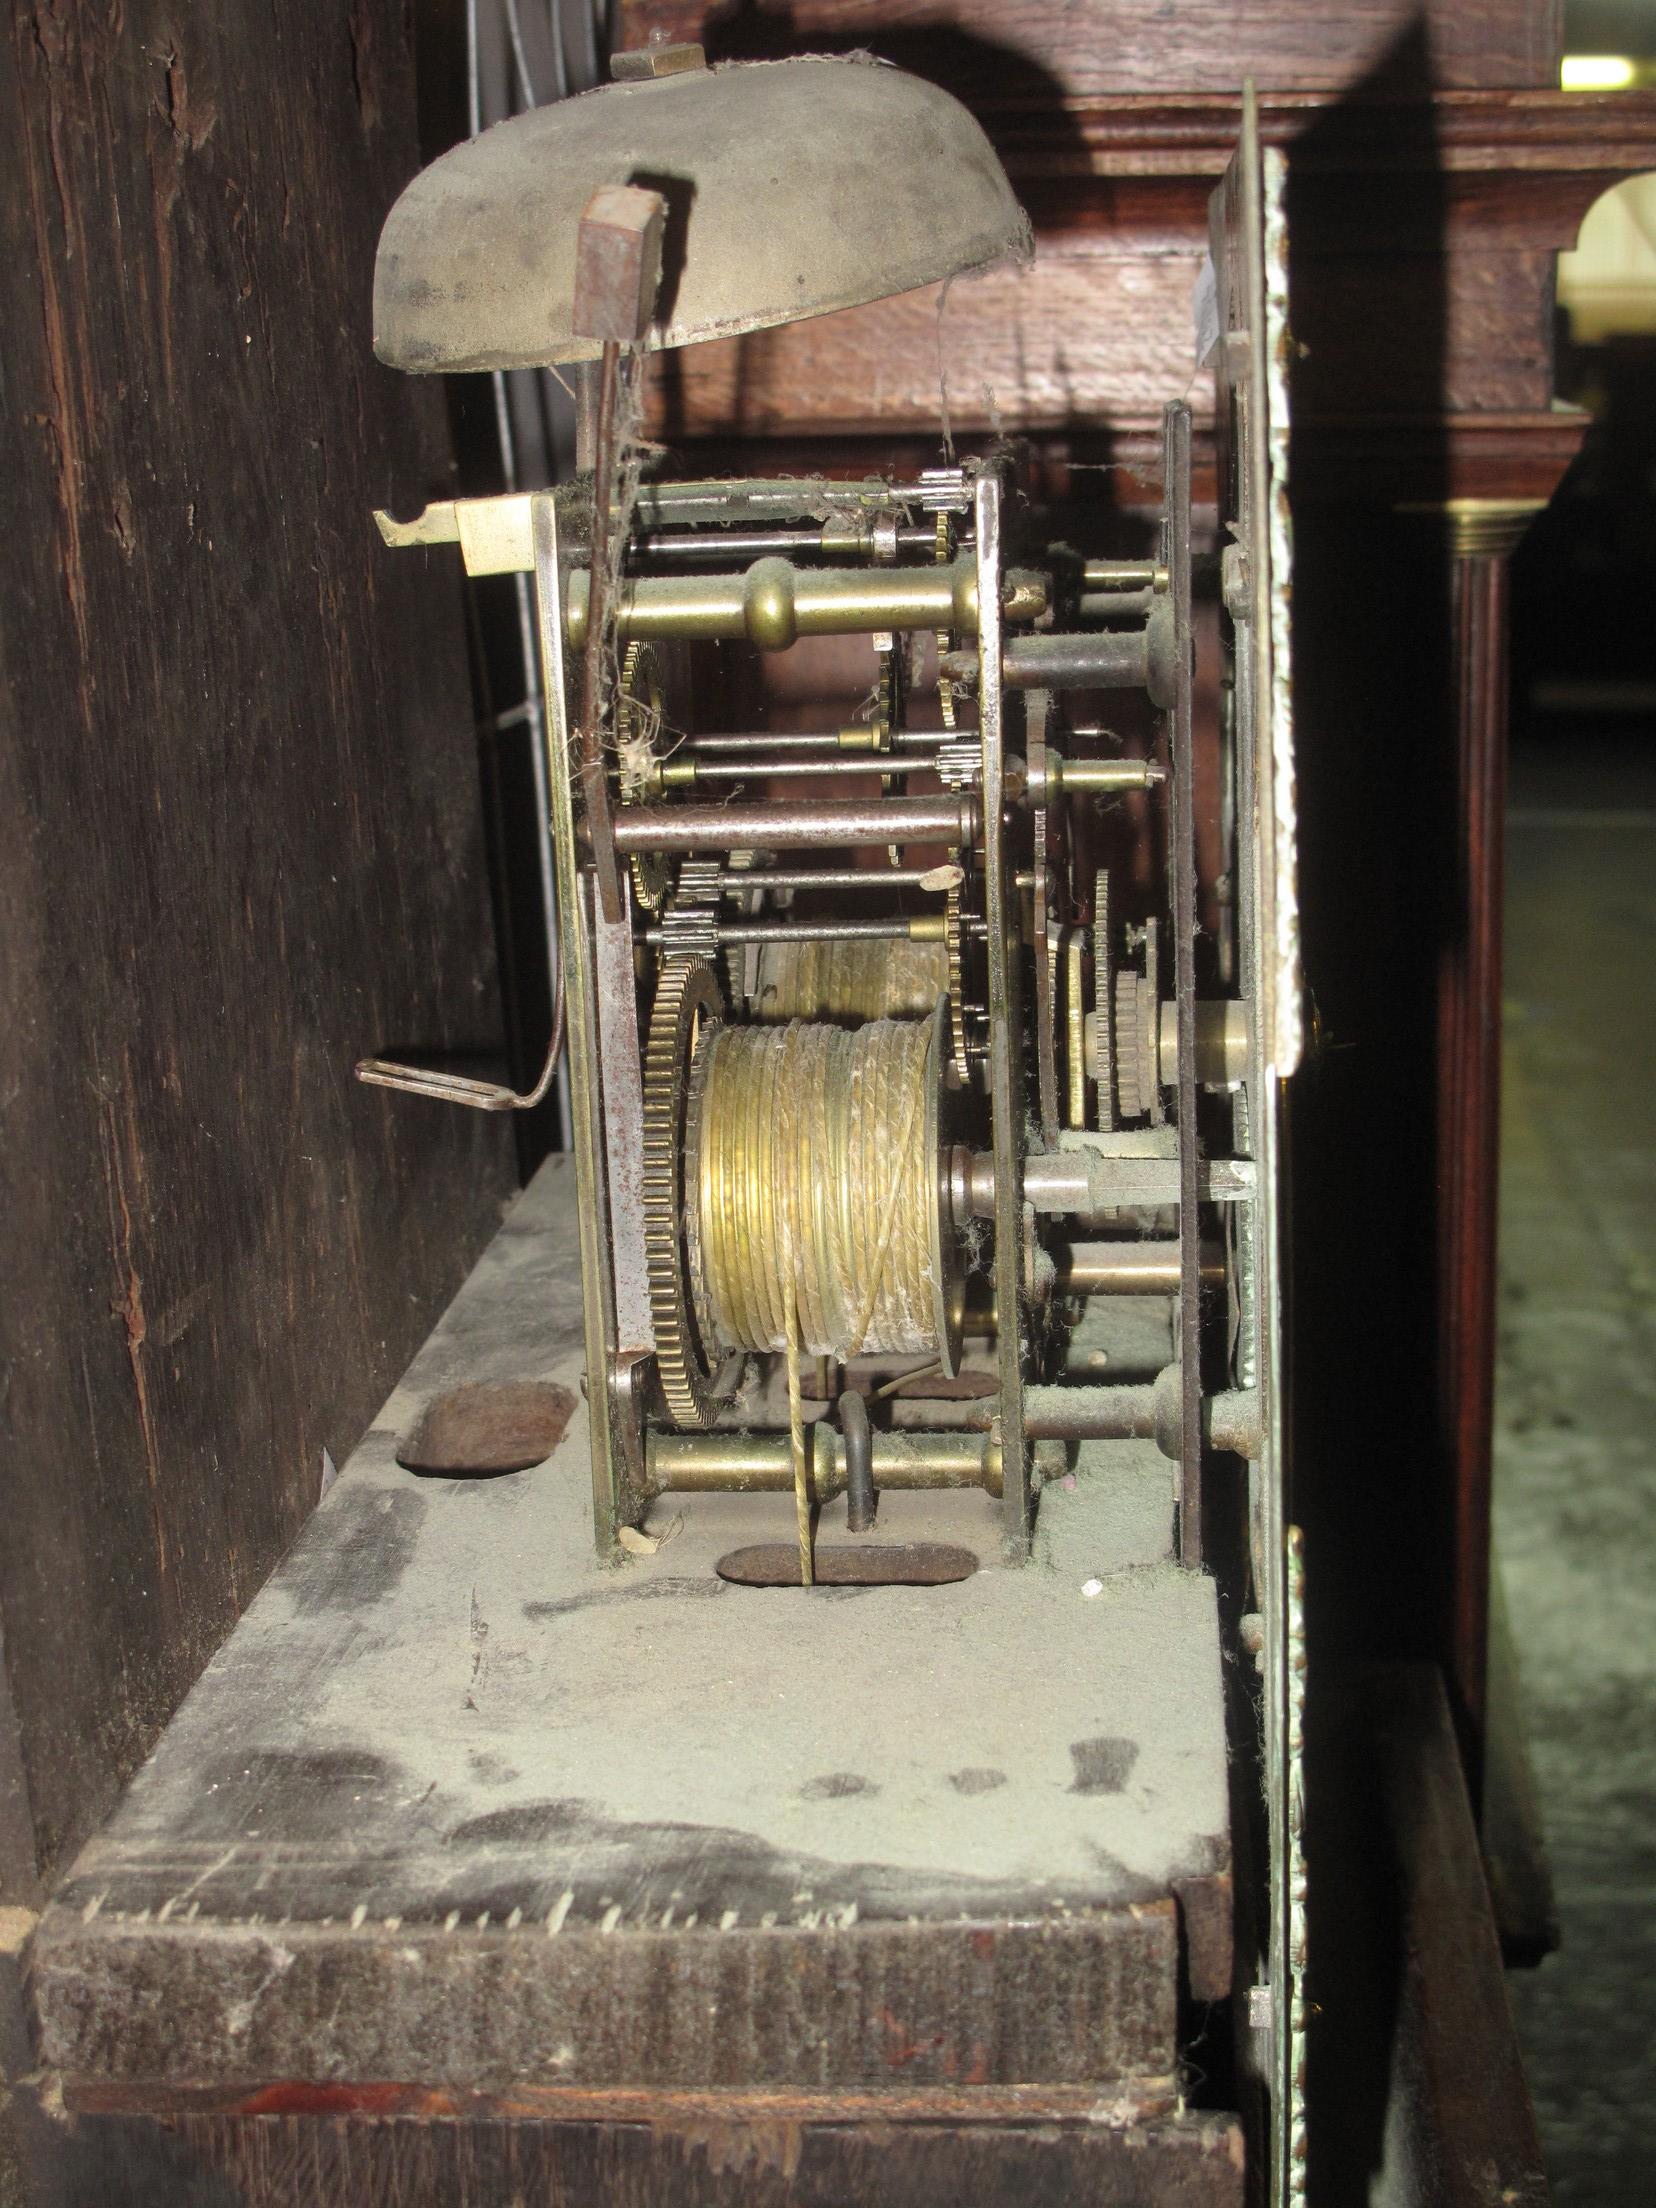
{"points": [[1005, 1040], [609, 1483]]}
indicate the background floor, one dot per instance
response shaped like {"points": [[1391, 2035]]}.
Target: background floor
{"points": [[1576, 1433]]}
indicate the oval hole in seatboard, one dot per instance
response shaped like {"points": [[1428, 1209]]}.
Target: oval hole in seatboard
{"points": [[896, 1564], [486, 1428]]}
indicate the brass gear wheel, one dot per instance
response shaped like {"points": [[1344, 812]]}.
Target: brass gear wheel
{"points": [[943, 553], [1104, 1040], [1135, 1045], [953, 938], [890, 693], [694, 1381], [638, 725]]}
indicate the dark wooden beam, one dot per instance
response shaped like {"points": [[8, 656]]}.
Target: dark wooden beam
{"points": [[717, 2159], [1414, 2061]]}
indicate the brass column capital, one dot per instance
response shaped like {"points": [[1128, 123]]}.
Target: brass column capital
{"points": [[1480, 528]]}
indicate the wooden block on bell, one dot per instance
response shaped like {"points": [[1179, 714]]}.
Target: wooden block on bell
{"points": [[640, 63], [618, 263]]}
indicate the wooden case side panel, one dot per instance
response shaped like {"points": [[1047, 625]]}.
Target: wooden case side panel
{"points": [[240, 841]]}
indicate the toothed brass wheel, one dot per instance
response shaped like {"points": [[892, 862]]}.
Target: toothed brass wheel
{"points": [[688, 1010], [1104, 1044], [1135, 1045], [638, 732], [954, 941]]}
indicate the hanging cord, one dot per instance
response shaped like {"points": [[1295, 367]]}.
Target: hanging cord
{"points": [[811, 1143], [796, 1416], [460, 1088], [796, 1424], [906, 1158]]}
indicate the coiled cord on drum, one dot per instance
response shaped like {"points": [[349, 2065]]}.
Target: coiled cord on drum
{"points": [[856, 980], [813, 1139]]}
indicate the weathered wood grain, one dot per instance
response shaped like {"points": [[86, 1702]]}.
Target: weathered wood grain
{"points": [[210, 2162], [240, 840], [1413, 2054], [961, 2000], [1096, 328]]}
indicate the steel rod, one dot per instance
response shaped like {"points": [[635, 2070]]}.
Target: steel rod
{"points": [[840, 877], [1091, 1186], [1115, 605], [858, 1452], [1131, 1268], [1119, 575], [754, 544], [689, 773], [1061, 1412], [1117, 659], [803, 825], [831, 739], [859, 740], [925, 930], [1109, 659], [763, 1463], [795, 499], [1068, 1411], [1091, 778], [772, 603]]}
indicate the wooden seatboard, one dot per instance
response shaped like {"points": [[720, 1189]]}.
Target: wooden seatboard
{"points": [[458, 1807]]}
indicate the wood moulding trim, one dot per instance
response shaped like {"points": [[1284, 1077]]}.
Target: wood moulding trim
{"points": [[985, 50], [1169, 136], [1138, 2099], [1479, 528], [1478, 171], [1437, 460]]}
